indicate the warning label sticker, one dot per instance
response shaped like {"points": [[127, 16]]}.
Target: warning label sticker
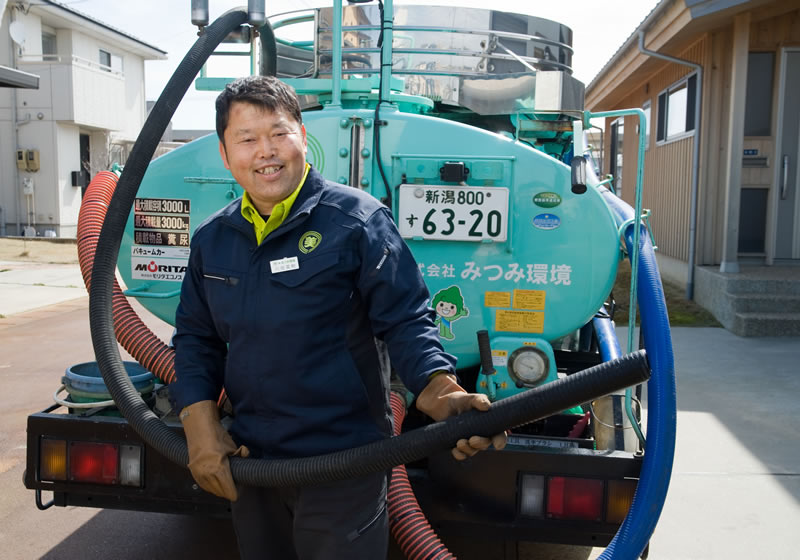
{"points": [[157, 221], [165, 252], [161, 239], [161, 206], [169, 238], [497, 299], [529, 299], [519, 321], [499, 358]]}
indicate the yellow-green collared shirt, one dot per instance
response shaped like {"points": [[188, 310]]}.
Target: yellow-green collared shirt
{"points": [[278, 215]]}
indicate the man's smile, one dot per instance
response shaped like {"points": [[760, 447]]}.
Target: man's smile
{"points": [[271, 170]]}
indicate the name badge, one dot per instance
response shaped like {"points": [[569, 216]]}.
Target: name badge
{"points": [[284, 264]]}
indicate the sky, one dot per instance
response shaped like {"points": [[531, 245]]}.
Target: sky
{"points": [[599, 28]]}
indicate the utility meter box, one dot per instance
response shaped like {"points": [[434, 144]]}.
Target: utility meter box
{"points": [[33, 160], [28, 160]]}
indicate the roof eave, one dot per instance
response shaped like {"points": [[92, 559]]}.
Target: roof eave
{"points": [[140, 47]]}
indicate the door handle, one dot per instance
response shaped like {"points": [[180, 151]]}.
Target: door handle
{"points": [[785, 173]]}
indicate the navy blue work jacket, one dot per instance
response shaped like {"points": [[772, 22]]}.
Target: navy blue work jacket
{"points": [[293, 341]]}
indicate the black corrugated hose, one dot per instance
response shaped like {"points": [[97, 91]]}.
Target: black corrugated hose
{"points": [[508, 413]]}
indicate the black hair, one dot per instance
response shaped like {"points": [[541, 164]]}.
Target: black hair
{"points": [[266, 92]]}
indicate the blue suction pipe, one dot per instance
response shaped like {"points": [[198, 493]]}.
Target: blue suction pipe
{"points": [[607, 340], [648, 501]]}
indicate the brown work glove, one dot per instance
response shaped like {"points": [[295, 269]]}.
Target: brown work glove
{"points": [[443, 397], [209, 447]]}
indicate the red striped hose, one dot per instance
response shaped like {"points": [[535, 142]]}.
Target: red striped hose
{"points": [[412, 532], [131, 332]]}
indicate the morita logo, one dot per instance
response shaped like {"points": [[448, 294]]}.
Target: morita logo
{"points": [[153, 267]]}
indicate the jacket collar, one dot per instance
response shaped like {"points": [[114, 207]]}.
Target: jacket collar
{"points": [[307, 200]]}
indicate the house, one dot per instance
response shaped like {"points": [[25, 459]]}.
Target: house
{"points": [[718, 81], [85, 114]]}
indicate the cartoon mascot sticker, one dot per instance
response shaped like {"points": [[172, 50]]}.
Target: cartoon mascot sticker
{"points": [[449, 307]]}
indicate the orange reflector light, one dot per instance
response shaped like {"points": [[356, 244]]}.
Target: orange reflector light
{"points": [[93, 462], [53, 459], [575, 498], [620, 498]]}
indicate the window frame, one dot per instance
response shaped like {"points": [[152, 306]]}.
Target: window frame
{"points": [[112, 59], [647, 107], [49, 36], [105, 67], [662, 110], [616, 153]]}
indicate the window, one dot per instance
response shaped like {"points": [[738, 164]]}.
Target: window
{"points": [[646, 109], [49, 43], [676, 106], [758, 103], [105, 60], [110, 61]]}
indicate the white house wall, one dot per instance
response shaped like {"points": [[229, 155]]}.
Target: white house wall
{"points": [[33, 32], [40, 135], [67, 160], [8, 182], [133, 116], [75, 96]]}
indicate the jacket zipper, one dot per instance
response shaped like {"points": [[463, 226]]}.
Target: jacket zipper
{"points": [[358, 532], [383, 258], [229, 280]]}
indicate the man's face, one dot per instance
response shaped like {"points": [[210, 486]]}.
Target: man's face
{"points": [[265, 152]]}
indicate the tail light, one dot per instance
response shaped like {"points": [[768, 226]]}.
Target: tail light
{"points": [[93, 462], [572, 498], [575, 498], [90, 462]]}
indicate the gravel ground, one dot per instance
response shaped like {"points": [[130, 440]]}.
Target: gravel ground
{"points": [[61, 251]]}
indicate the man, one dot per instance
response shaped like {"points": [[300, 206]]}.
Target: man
{"points": [[286, 292]]}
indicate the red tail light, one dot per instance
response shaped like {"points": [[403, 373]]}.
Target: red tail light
{"points": [[575, 498], [93, 462]]}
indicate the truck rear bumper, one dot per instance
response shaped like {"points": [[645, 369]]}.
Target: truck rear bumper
{"points": [[480, 496], [165, 487]]}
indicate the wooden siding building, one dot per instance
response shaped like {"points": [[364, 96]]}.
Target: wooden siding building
{"points": [[740, 61]]}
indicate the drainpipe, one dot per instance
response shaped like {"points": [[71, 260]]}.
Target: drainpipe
{"points": [[695, 157], [15, 128]]}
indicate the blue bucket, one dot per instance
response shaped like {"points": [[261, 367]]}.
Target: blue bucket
{"points": [[84, 382]]}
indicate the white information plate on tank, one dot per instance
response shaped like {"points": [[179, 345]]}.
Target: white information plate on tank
{"points": [[453, 213]]}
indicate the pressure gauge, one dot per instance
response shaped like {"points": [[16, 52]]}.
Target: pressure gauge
{"points": [[528, 366]]}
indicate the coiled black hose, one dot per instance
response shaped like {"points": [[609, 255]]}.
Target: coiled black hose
{"points": [[508, 413], [143, 421]]}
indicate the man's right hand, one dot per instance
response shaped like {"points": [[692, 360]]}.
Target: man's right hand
{"points": [[209, 447]]}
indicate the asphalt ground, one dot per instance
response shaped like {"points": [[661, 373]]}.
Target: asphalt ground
{"points": [[734, 492]]}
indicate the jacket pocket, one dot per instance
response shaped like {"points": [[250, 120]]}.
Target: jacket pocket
{"points": [[308, 269], [224, 291]]}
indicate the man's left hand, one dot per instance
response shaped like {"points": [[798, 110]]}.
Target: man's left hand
{"points": [[443, 397]]}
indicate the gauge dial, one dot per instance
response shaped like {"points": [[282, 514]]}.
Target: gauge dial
{"points": [[528, 366]]}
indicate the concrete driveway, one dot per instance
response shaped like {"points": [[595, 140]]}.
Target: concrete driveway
{"points": [[735, 490]]}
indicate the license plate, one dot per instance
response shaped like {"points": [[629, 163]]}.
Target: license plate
{"points": [[453, 213]]}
